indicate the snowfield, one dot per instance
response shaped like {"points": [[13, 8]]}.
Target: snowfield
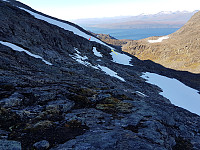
{"points": [[110, 72], [178, 93], [64, 26], [121, 58], [158, 40], [98, 54], [19, 49]]}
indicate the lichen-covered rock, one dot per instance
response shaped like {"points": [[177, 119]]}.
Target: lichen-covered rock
{"points": [[41, 125], [41, 145], [59, 106], [105, 139], [4, 134], [14, 100], [114, 105], [10, 145]]}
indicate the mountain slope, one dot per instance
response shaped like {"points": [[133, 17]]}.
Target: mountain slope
{"points": [[111, 40], [180, 51], [60, 90]]}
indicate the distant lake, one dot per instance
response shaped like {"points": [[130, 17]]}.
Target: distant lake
{"points": [[134, 34]]}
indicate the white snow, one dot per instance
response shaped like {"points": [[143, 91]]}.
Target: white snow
{"points": [[121, 58], [17, 48], [5, 0], [178, 93], [98, 54], [110, 72], [141, 94], [82, 59], [64, 26], [76, 49], [158, 40]]}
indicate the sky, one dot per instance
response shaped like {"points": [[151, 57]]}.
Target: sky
{"points": [[77, 9]]}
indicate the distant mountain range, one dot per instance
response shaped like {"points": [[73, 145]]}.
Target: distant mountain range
{"points": [[164, 19], [180, 50]]}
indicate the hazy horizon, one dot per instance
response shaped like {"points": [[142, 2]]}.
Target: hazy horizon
{"points": [[77, 9]]}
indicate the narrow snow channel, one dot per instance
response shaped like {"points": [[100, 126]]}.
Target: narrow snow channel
{"points": [[121, 58], [158, 40], [98, 54], [64, 26], [110, 72], [178, 93], [19, 49]]}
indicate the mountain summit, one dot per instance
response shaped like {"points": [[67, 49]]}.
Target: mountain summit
{"points": [[62, 88]]}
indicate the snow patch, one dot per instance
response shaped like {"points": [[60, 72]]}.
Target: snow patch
{"points": [[76, 49], [6, 1], [110, 72], [121, 58], [158, 40], [82, 59], [178, 93], [98, 54], [141, 94], [64, 26], [19, 49]]}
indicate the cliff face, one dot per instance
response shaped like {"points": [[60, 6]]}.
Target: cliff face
{"points": [[181, 51], [60, 90]]}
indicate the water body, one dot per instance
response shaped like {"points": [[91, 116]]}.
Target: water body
{"points": [[133, 34]]}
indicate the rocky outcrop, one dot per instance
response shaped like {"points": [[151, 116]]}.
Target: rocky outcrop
{"points": [[73, 105], [181, 51], [111, 40], [7, 144]]}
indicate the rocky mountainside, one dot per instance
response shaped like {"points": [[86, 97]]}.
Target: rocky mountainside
{"points": [[60, 90], [111, 40], [181, 51]]}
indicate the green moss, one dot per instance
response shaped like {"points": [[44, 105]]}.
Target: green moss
{"points": [[114, 105], [41, 125], [123, 97], [124, 107], [86, 92], [111, 100], [105, 106]]}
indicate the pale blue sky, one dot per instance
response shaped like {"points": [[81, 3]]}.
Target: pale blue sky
{"points": [[75, 9]]}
